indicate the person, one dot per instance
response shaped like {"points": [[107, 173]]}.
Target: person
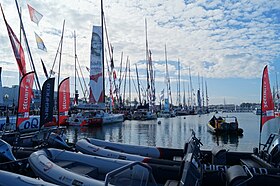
{"points": [[96, 45]]}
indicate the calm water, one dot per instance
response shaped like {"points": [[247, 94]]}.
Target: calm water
{"points": [[173, 132]]}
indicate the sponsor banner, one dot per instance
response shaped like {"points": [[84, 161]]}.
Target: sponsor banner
{"points": [[63, 100], [267, 100], [47, 102], [25, 93], [96, 67]]}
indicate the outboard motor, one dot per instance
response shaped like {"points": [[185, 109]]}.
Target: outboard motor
{"points": [[274, 152], [219, 156], [57, 141], [6, 151]]}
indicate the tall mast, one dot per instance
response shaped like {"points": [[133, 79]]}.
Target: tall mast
{"points": [[179, 84], [139, 94], [120, 79], [168, 79], [202, 94], [102, 60], [191, 89], [60, 53], [75, 49], [28, 49], [129, 81], [147, 61], [207, 98]]}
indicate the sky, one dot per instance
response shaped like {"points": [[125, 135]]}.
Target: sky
{"points": [[227, 42]]}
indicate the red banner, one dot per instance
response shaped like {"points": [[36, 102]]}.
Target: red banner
{"points": [[63, 100], [17, 48], [24, 100], [267, 101]]}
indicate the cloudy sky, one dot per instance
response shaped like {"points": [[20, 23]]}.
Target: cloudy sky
{"points": [[227, 42]]}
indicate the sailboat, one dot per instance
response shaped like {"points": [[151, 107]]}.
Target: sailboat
{"points": [[96, 107]]}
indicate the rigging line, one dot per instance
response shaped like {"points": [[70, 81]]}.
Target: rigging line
{"points": [[86, 89], [57, 52], [80, 83], [110, 49]]}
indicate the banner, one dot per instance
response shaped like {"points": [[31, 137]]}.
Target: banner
{"points": [[96, 67], [35, 16], [24, 100], [47, 102], [63, 100], [267, 104], [17, 48], [40, 43]]}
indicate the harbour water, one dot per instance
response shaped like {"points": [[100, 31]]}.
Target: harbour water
{"points": [[174, 132]]}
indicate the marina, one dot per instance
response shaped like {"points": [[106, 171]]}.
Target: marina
{"points": [[173, 132], [153, 126]]}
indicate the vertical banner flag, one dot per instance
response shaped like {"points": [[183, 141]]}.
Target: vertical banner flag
{"points": [[47, 102], [17, 48], [40, 43], [24, 100], [267, 105], [63, 100], [35, 16], [96, 67]]}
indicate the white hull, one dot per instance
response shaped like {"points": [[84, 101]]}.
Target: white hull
{"points": [[112, 118], [153, 152], [9, 178], [70, 168]]}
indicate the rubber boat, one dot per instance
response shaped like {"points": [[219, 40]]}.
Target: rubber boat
{"points": [[9, 178], [49, 137], [198, 167], [70, 168], [87, 148], [87, 144], [224, 124], [221, 167]]}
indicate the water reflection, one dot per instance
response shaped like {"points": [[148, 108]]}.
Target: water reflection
{"points": [[174, 132]]}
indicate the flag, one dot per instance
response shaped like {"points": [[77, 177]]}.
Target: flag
{"points": [[47, 102], [35, 16], [40, 43], [44, 68], [17, 48], [267, 104], [63, 100], [24, 101]]}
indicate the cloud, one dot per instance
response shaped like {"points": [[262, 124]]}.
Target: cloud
{"points": [[219, 39]]}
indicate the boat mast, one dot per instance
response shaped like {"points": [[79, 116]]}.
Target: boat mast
{"points": [[168, 80], [202, 94], [102, 46], [27, 46], [207, 98], [191, 90], [124, 86], [76, 91], [138, 83], [60, 54], [129, 81], [179, 85], [147, 63]]}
